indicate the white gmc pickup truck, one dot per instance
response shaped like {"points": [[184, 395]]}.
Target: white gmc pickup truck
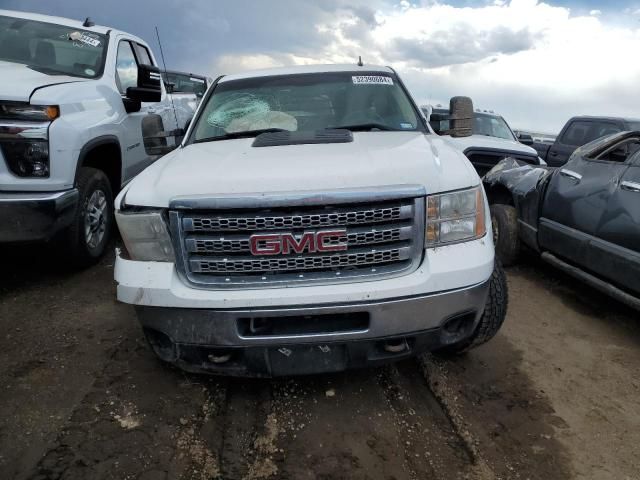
{"points": [[309, 222], [82, 111]]}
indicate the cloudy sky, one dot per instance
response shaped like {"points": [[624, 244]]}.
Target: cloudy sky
{"points": [[537, 63]]}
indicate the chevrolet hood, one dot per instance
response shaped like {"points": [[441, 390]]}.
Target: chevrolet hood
{"points": [[232, 167], [19, 81]]}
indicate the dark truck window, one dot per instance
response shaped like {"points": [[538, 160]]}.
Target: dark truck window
{"points": [[621, 151], [581, 132], [52, 49], [308, 102], [483, 124], [185, 83]]}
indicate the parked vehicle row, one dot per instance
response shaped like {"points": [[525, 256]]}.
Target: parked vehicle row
{"points": [[305, 218], [82, 112]]}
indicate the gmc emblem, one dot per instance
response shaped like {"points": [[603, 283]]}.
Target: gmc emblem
{"points": [[286, 243]]}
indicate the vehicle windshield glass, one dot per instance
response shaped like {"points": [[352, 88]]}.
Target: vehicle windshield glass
{"points": [[52, 49], [307, 102], [491, 126], [185, 83]]}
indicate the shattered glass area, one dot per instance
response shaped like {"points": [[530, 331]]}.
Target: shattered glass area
{"points": [[250, 112]]}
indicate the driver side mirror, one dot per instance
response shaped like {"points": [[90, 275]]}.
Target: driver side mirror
{"points": [[525, 139], [461, 117], [148, 89]]}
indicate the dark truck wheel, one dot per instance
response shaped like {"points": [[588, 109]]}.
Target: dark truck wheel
{"points": [[504, 220], [495, 311], [87, 237]]}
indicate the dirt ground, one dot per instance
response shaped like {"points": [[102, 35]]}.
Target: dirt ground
{"points": [[554, 396]]}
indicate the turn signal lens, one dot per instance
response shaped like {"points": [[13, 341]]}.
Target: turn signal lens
{"points": [[481, 227], [52, 112]]}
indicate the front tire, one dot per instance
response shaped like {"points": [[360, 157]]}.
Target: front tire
{"points": [[89, 234], [504, 219], [495, 311]]}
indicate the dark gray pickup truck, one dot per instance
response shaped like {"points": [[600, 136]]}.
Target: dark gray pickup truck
{"points": [[583, 217], [579, 131]]}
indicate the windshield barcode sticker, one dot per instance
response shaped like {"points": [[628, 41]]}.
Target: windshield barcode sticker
{"points": [[372, 80], [84, 38]]}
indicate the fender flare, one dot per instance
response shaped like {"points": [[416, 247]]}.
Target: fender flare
{"points": [[90, 145]]}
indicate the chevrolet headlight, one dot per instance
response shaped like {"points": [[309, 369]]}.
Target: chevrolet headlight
{"points": [[455, 217], [26, 111], [145, 236]]}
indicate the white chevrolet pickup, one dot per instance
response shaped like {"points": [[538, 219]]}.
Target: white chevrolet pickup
{"points": [[82, 111], [309, 222]]}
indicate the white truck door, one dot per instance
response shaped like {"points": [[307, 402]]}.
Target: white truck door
{"points": [[135, 157], [164, 107]]}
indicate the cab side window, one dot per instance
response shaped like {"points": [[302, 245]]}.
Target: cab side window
{"points": [[126, 67], [143, 55], [576, 134], [620, 152]]}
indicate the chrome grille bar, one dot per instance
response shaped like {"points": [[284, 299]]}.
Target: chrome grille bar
{"points": [[227, 223], [231, 244], [297, 263]]}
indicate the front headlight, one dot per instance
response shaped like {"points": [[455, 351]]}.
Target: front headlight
{"points": [[145, 236], [27, 157], [455, 217], [26, 111]]}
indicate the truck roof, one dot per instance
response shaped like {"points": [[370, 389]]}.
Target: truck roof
{"points": [[604, 117], [68, 22], [301, 69]]}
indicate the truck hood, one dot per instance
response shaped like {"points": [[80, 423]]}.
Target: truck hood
{"points": [[483, 141], [372, 160], [19, 81]]}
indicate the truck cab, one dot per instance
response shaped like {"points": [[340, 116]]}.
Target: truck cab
{"points": [[579, 131], [82, 112]]}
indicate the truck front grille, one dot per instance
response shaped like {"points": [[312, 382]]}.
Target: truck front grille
{"points": [[383, 239]]}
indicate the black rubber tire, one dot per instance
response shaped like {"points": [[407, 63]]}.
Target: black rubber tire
{"points": [[75, 246], [504, 219], [495, 311]]}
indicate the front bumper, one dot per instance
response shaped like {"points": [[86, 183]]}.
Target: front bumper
{"points": [[311, 339], [32, 217]]}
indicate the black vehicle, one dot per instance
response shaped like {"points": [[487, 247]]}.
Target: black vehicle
{"points": [[579, 131], [583, 217]]}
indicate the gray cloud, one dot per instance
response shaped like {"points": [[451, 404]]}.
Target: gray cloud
{"points": [[461, 44]]}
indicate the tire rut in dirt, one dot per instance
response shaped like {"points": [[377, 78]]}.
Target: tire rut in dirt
{"points": [[432, 448], [243, 419], [139, 420]]}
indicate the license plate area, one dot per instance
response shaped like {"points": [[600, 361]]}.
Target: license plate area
{"points": [[292, 360]]}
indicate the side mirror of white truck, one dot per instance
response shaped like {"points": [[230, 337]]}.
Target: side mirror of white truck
{"points": [[461, 117], [148, 89]]}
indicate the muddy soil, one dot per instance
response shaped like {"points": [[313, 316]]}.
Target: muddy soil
{"points": [[554, 396]]}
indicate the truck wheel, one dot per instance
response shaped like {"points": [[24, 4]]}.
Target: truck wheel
{"points": [[87, 237], [504, 220], [495, 311]]}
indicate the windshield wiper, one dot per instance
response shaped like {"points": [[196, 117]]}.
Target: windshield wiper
{"points": [[244, 134], [363, 127]]}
